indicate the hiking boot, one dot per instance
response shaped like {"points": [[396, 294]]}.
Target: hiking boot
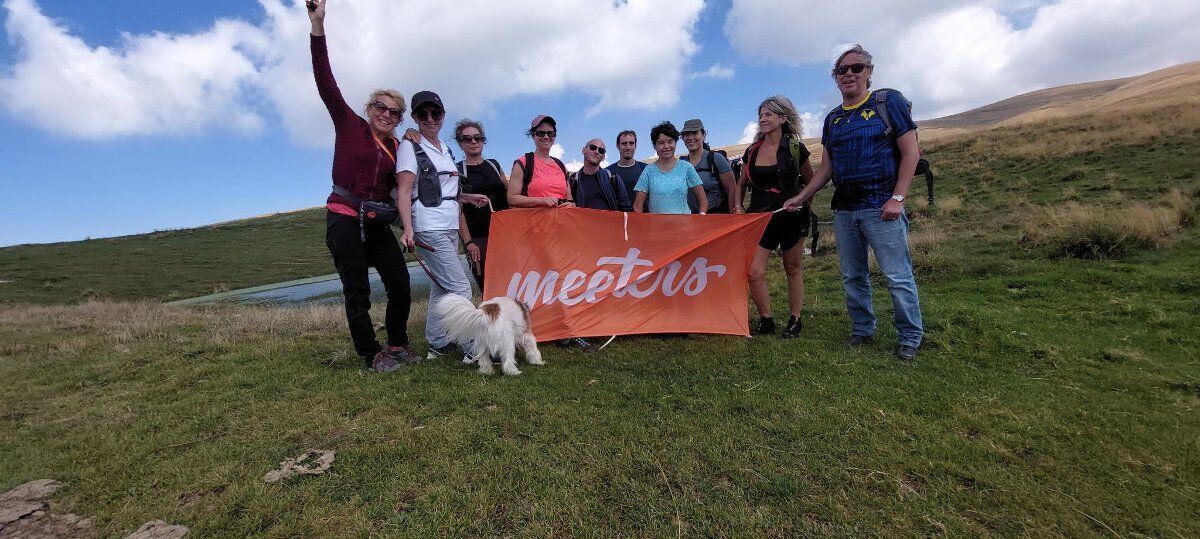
{"points": [[858, 340], [404, 355], [794, 326], [441, 351], [577, 342], [383, 362], [766, 326], [906, 352]]}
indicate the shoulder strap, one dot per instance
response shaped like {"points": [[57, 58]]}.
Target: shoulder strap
{"points": [[879, 103], [712, 165], [495, 167], [527, 174], [560, 165], [748, 160], [614, 183], [794, 149]]}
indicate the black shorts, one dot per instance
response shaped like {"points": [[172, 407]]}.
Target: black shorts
{"points": [[785, 230]]}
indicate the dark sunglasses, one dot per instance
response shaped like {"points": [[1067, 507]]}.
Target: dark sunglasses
{"points": [[596, 149], [855, 68], [394, 113], [545, 134], [472, 138], [429, 114]]}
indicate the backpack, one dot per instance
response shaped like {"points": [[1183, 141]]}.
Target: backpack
{"points": [[527, 172], [793, 149], [462, 165], [879, 105], [429, 182], [613, 182], [712, 168]]}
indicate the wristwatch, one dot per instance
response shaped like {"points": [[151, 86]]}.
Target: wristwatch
{"points": [[898, 198]]}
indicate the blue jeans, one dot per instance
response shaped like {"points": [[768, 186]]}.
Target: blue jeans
{"points": [[856, 230]]}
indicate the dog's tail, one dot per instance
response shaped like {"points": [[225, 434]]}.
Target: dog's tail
{"points": [[460, 318]]}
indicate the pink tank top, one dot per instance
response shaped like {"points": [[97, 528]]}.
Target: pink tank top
{"points": [[548, 180]]}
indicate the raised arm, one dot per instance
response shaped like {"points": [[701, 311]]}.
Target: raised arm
{"points": [[322, 72]]}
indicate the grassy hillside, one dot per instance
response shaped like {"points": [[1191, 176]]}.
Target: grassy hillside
{"points": [[169, 265], [1056, 394]]}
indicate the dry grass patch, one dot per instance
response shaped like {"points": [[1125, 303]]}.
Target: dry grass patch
{"points": [[1183, 205], [1071, 135], [1094, 232]]}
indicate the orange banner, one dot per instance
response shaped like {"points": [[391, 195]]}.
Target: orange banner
{"points": [[591, 273]]}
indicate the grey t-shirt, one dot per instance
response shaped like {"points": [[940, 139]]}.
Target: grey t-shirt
{"points": [[711, 181]]}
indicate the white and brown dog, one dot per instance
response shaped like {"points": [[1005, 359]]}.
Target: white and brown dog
{"points": [[494, 330]]}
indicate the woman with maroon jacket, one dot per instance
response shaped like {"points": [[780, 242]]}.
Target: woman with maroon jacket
{"points": [[364, 163]]}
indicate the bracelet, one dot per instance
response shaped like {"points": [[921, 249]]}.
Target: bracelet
{"points": [[469, 242]]}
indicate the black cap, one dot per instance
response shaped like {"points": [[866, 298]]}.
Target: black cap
{"points": [[425, 97]]}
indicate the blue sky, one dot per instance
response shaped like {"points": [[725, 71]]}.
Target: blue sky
{"points": [[222, 123]]}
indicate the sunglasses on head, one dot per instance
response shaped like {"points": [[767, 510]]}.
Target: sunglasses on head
{"points": [[544, 134], [429, 114], [854, 68], [596, 149], [472, 138], [381, 108]]}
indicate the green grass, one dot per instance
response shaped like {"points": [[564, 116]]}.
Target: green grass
{"points": [[1053, 396], [168, 265]]}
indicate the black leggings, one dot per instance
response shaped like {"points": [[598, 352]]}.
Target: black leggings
{"points": [[352, 257]]}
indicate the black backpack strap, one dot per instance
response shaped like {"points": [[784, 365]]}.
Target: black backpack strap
{"points": [[573, 185], [526, 173], [614, 183], [879, 103], [421, 156], [561, 166]]}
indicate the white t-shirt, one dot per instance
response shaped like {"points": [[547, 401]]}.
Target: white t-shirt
{"points": [[444, 216]]}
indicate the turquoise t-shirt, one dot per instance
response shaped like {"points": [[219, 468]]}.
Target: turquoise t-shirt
{"points": [[667, 192]]}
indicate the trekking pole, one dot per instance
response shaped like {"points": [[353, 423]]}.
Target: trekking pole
{"points": [[422, 263]]}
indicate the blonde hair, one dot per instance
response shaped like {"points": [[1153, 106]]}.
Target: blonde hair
{"points": [[783, 106], [399, 99]]}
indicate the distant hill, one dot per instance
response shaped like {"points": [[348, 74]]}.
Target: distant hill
{"points": [[1156, 89], [1150, 90]]}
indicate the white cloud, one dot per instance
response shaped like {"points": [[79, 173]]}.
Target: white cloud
{"points": [[475, 53], [749, 132], [150, 84], [811, 123], [573, 166], [952, 56], [716, 71], [556, 151]]}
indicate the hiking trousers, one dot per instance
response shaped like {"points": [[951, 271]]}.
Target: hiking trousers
{"points": [[352, 257], [447, 268]]}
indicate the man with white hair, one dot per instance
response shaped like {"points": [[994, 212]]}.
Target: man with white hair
{"points": [[871, 155]]}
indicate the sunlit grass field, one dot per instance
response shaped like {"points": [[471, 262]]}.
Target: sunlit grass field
{"points": [[1058, 391]]}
